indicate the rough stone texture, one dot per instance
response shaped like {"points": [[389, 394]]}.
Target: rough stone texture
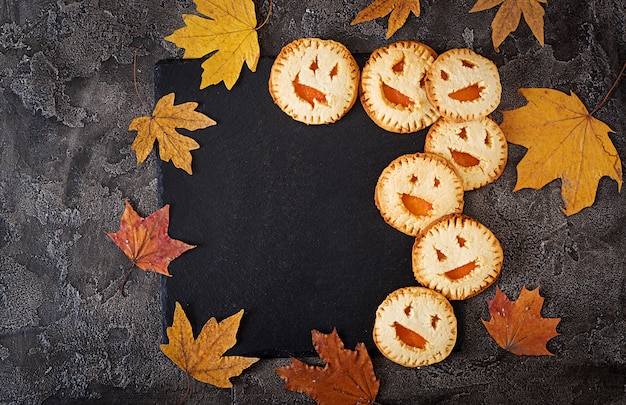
{"points": [[67, 97]]}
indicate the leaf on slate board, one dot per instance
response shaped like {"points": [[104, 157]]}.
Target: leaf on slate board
{"points": [[347, 378], [202, 358], [399, 9], [161, 126], [564, 141], [145, 240], [517, 326], [508, 17], [229, 31]]}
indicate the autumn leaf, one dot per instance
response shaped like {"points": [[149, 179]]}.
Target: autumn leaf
{"points": [[145, 240], [202, 358], [347, 378], [517, 326], [399, 9], [229, 30], [161, 126], [564, 142], [508, 17]]}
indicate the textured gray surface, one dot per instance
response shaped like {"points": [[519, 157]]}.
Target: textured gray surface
{"points": [[67, 336]]}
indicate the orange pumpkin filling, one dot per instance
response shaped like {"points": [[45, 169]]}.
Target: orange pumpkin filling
{"points": [[308, 93], [396, 97], [417, 206], [461, 271], [409, 337], [464, 159], [469, 93]]}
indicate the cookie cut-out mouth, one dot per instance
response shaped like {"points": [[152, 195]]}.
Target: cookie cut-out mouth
{"points": [[469, 93], [409, 337], [461, 271], [396, 97], [464, 159], [308, 93], [417, 206]]}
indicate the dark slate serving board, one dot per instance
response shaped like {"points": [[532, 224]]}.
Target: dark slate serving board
{"points": [[283, 215]]}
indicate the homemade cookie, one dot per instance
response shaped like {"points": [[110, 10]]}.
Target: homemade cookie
{"points": [[416, 189], [392, 87], [477, 149], [415, 327], [463, 85], [314, 81], [457, 256]]}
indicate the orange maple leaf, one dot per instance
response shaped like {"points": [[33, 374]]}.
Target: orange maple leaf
{"points": [[145, 240], [202, 358], [161, 126], [399, 9], [564, 141], [517, 326], [508, 17], [347, 378]]}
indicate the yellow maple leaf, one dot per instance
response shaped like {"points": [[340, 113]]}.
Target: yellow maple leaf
{"points": [[202, 358], [229, 31], [508, 17], [161, 126], [399, 9], [564, 142]]}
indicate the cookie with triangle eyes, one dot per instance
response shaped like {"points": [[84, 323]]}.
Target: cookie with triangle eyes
{"points": [[392, 87], [415, 327], [463, 85], [457, 256], [477, 149], [314, 81], [416, 189]]}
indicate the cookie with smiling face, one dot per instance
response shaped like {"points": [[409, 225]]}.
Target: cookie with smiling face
{"points": [[392, 87], [314, 81], [415, 327], [457, 256], [416, 189], [463, 85], [477, 149]]}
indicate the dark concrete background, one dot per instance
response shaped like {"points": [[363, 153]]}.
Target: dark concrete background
{"points": [[68, 336]]}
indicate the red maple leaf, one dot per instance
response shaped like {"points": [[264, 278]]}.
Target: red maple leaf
{"points": [[347, 378], [517, 326], [145, 240]]}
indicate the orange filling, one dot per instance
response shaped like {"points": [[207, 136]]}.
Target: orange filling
{"points": [[417, 206], [308, 93], [409, 337], [396, 97], [461, 271], [334, 72], [469, 93], [464, 159], [398, 67]]}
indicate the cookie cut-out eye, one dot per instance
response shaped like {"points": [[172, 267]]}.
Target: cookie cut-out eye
{"points": [[399, 66], [409, 337], [440, 255], [444, 75], [487, 139], [407, 310], [464, 159], [466, 63], [460, 240], [413, 179], [314, 66], [469, 93], [463, 133], [434, 320], [334, 71], [436, 182], [417, 206]]}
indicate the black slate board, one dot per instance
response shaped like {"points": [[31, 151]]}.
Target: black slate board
{"points": [[283, 216]]}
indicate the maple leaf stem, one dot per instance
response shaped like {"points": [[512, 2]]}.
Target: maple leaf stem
{"points": [[143, 105], [619, 76], [184, 398], [267, 17], [123, 284]]}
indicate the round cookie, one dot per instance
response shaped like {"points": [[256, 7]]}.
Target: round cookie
{"points": [[457, 256], [416, 189], [415, 327], [477, 149], [392, 87], [463, 85], [314, 81]]}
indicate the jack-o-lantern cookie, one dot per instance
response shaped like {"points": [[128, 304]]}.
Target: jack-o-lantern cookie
{"points": [[314, 81], [392, 87], [457, 256], [477, 149], [416, 189], [415, 327], [463, 85]]}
